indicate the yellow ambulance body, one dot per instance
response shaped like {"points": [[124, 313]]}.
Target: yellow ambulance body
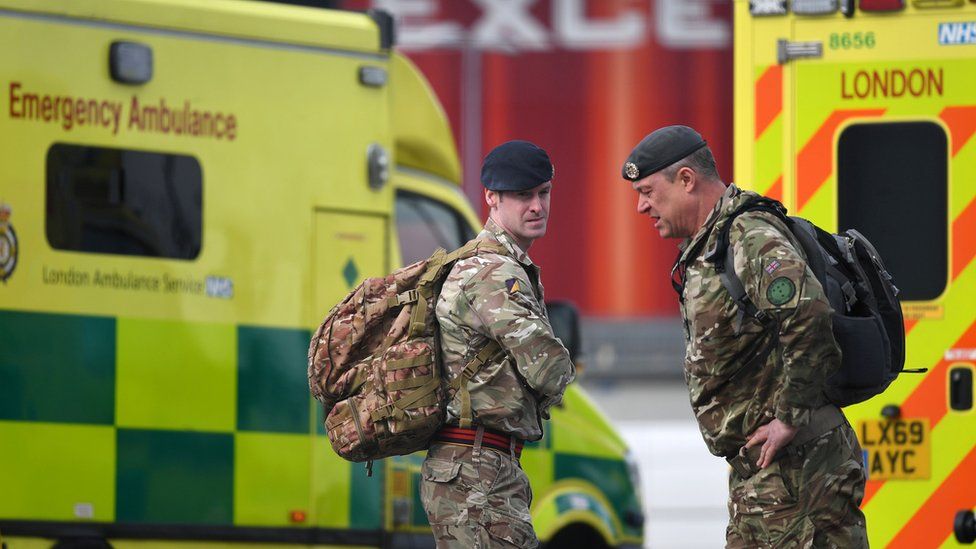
{"points": [[862, 118], [186, 189]]}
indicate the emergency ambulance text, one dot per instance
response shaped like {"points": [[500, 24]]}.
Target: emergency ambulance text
{"points": [[143, 116]]}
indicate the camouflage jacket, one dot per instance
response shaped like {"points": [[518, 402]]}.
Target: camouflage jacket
{"points": [[740, 376], [498, 297]]}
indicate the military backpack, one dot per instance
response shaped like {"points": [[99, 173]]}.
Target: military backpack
{"points": [[867, 318], [375, 363]]}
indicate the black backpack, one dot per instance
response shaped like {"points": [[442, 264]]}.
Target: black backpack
{"points": [[867, 319]]}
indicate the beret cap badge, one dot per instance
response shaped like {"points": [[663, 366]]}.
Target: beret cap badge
{"points": [[631, 170], [660, 149]]}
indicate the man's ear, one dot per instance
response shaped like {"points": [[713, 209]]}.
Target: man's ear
{"points": [[688, 178], [491, 198]]}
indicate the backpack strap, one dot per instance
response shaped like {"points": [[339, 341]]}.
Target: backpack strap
{"points": [[440, 260], [477, 247], [723, 261], [438, 263], [806, 234], [744, 304], [460, 383], [492, 349], [722, 246]]}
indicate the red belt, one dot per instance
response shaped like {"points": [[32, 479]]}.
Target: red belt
{"points": [[489, 438]]}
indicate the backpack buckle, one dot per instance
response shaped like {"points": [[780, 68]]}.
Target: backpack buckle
{"points": [[409, 296]]}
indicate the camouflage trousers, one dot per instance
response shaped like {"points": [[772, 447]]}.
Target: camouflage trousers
{"points": [[808, 498], [476, 498]]}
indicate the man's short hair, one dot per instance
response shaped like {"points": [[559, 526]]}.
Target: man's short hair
{"points": [[701, 161]]}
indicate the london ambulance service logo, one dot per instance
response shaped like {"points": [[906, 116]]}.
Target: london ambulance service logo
{"points": [[8, 244]]}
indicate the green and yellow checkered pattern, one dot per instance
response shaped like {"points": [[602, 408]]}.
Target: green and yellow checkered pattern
{"points": [[158, 421]]}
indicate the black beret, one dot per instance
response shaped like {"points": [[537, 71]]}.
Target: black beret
{"points": [[660, 149], [516, 166]]}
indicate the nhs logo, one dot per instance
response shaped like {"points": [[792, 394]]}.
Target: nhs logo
{"points": [[951, 34]]}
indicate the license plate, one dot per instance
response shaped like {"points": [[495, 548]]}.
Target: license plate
{"points": [[896, 449]]}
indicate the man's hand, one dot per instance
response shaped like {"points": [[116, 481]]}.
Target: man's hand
{"points": [[773, 436]]}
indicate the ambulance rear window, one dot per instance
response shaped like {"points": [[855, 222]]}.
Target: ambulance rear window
{"points": [[892, 186], [117, 201]]}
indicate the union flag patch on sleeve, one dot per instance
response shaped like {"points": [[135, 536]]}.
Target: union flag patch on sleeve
{"points": [[772, 266], [513, 285]]}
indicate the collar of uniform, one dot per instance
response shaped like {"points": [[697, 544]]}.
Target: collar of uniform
{"points": [[495, 231], [721, 207]]}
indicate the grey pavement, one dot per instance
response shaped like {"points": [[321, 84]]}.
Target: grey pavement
{"points": [[684, 488]]}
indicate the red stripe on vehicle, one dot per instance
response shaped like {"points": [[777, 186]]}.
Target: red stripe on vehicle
{"points": [[909, 324], [932, 523], [871, 488], [776, 190], [962, 124], [963, 239], [769, 97]]}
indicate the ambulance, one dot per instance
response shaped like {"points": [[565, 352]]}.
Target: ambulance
{"points": [[186, 189], [861, 114]]}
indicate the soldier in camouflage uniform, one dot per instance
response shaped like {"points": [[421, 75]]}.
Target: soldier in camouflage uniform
{"points": [[473, 489], [797, 477]]}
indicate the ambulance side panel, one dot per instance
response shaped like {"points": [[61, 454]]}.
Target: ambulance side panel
{"points": [[154, 363]]}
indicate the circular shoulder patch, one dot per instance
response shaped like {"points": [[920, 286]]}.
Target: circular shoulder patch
{"points": [[780, 291]]}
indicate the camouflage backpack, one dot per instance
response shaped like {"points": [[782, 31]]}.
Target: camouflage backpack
{"points": [[375, 362]]}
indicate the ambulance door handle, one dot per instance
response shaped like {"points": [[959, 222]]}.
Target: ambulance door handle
{"points": [[787, 51]]}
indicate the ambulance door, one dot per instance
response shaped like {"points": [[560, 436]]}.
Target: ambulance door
{"points": [[348, 247], [880, 131]]}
